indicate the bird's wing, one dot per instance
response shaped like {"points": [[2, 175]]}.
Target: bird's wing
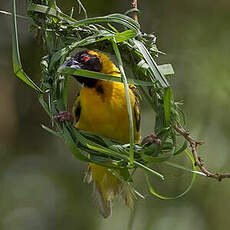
{"points": [[76, 110], [136, 109]]}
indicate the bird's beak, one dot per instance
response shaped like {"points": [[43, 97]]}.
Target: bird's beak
{"points": [[72, 63], [75, 65]]}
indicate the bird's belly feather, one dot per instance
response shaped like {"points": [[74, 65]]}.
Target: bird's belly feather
{"points": [[105, 114]]}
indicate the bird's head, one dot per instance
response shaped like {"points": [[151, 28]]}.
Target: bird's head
{"points": [[86, 60], [93, 61]]}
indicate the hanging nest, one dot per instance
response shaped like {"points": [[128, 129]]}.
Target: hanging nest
{"points": [[120, 36]]}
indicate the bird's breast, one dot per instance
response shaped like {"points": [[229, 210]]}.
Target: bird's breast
{"points": [[104, 110]]}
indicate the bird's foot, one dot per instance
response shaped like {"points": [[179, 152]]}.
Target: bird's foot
{"points": [[64, 116], [151, 138]]}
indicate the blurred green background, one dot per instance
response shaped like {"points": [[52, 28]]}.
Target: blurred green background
{"points": [[41, 184]]}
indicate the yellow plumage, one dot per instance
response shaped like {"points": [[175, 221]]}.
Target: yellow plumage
{"points": [[102, 110]]}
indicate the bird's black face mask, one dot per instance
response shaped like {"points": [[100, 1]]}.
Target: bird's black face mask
{"points": [[86, 61]]}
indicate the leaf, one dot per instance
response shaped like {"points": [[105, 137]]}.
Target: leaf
{"points": [[18, 16], [194, 171], [184, 168], [182, 148], [132, 10], [82, 7], [116, 18], [17, 66], [165, 69], [121, 156], [50, 11], [72, 146], [51, 131], [101, 76], [129, 107], [121, 37], [126, 175], [152, 64], [44, 104]]}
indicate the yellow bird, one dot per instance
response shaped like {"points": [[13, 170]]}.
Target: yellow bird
{"points": [[101, 109]]}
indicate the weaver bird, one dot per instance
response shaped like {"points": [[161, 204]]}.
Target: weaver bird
{"points": [[101, 109]]}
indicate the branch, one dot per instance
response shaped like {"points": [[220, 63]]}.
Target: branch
{"points": [[134, 3], [198, 161]]}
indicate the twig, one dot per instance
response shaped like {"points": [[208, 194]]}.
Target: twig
{"points": [[198, 161], [134, 3]]}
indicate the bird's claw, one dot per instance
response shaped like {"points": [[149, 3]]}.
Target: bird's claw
{"points": [[64, 116], [151, 138]]}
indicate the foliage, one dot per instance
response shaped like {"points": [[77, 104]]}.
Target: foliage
{"points": [[121, 36]]}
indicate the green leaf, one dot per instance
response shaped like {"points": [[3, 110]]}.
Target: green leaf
{"points": [[182, 148], [121, 156], [101, 76], [82, 7], [129, 107], [72, 145], [44, 104], [184, 168], [132, 10], [115, 18], [119, 37], [124, 36], [51, 131], [17, 66], [18, 16], [55, 12], [165, 69], [194, 171], [152, 64], [126, 175]]}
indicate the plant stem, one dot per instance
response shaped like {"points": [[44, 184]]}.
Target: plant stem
{"points": [[134, 3]]}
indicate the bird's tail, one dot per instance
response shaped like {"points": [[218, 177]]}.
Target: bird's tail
{"points": [[106, 187]]}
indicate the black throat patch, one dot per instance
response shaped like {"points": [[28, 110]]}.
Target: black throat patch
{"points": [[88, 82]]}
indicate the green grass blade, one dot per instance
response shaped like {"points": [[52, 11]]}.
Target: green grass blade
{"points": [[112, 18], [129, 107], [152, 64], [165, 69], [18, 16], [50, 11], [184, 168], [44, 104], [72, 145], [65, 91], [101, 76], [17, 66], [51, 131], [194, 171], [81, 6], [121, 156], [124, 36]]}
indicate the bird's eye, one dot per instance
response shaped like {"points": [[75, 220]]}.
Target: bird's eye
{"points": [[85, 58]]}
